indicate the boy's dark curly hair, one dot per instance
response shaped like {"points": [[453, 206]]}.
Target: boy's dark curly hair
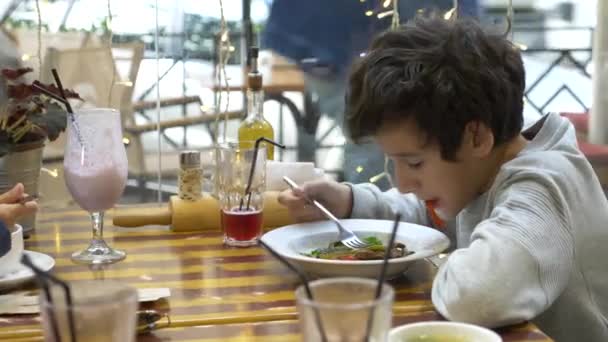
{"points": [[444, 74]]}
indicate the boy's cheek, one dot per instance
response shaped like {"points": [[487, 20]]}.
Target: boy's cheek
{"points": [[443, 214]]}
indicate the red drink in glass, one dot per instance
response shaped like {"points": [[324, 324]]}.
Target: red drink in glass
{"points": [[242, 227]]}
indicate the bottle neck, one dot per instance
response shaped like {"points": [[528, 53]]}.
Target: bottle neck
{"points": [[255, 103]]}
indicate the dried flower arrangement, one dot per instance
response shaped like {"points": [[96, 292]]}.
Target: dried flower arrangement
{"points": [[30, 117]]}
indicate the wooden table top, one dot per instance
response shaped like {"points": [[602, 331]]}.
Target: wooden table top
{"points": [[217, 292]]}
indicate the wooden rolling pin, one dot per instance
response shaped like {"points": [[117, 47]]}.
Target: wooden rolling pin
{"points": [[203, 214]]}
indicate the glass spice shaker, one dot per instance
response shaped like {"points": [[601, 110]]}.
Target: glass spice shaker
{"points": [[190, 176]]}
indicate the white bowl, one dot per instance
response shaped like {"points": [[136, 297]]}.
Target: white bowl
{"points": [[294, 240], [466, 332], [11, 261]]}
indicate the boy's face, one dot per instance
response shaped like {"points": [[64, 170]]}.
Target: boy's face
{"points": [[419, 169]]}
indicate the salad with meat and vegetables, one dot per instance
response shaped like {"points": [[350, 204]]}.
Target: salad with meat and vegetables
{"points": [[375, 251]]}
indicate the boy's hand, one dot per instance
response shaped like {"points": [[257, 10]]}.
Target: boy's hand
{"points": [[11, 208], [336, 197]]}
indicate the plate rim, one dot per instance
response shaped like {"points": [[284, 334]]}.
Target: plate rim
{"points": [[7, 281], [392, 333]]}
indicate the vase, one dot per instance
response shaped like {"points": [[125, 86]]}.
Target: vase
{"points": [[22, 165]]}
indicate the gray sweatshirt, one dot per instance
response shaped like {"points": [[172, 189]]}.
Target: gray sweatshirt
{"points": [[533, 247]]}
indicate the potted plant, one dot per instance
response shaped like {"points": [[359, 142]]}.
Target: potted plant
{"points": [[28, 119]]}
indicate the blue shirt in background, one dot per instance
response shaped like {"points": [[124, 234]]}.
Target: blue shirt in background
{"points": [[331, 33]]}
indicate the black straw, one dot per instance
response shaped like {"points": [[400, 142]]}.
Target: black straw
{"points": [[61, 91], [68, 107], [304, 280], [25, 259], [253, 162], [387, 256], [43, 278], [48, 93]]}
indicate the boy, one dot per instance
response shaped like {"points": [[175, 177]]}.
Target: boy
{"points": [[444, 100]]}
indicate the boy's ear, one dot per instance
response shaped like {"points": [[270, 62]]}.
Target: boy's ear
{"points": [[479, 138]]}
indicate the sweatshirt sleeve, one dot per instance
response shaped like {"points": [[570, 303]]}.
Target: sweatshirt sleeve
{"points": [[518, 262], [370, 202]]}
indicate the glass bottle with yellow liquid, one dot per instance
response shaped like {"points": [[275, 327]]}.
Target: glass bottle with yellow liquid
{"points": [[255, 125]]}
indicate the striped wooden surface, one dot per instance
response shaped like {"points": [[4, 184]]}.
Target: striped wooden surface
{"points": [[288, 331], [217, 292]]}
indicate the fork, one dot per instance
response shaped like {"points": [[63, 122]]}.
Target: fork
{"points": [[345, 235]]}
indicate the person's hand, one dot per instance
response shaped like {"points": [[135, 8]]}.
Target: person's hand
{"points": [[336, 197], [11, 208]]}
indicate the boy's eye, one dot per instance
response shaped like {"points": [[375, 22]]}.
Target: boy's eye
{"points": [[407, 162], [414, 165]]}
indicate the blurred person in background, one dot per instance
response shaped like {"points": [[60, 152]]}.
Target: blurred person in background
{"points": [[9, 59], [11, 209], [323, 37]]}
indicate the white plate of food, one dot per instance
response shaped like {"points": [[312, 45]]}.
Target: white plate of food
{"points": [[308, 246]]}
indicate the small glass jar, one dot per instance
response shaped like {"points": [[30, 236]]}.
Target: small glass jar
{"points": [[190, 176]]}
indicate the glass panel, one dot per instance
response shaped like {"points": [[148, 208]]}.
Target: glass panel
{"points": [[304, 59]]}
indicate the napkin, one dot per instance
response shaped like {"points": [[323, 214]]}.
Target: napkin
{"points": [[26, 302], [153, 294], [300, 172], [21, 303]]}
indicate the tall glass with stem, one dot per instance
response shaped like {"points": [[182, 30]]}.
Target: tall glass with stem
{"points": [[95, 166]]}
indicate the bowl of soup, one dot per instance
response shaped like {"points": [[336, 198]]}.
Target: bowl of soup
{"points": [[442, 332]]}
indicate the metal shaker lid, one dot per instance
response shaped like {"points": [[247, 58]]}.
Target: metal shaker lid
{"points": [[190, 159]]}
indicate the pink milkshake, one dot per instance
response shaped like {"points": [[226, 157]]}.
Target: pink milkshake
{"points": [[96, 189], [96, 166]]}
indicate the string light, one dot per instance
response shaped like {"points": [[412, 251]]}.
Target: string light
{"points": [[53, 173], [39, 38], [159, 144], [396, 21], [378, 177], [449, 14], [394, 12], [110, 37], [509, 20], [224, 50], [385, 14]]}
